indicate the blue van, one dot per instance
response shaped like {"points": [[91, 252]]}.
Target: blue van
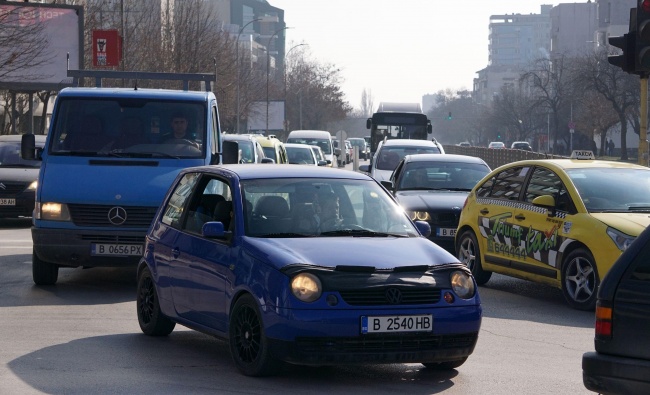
{"points": [[110, 156]]}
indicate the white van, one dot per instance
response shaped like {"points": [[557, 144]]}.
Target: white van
{"points": [[321, 138]]}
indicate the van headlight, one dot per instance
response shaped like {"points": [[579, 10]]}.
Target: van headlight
{"points": [[462, 284], [32, 186], [54, 211], [621, 240], [306, 287]]}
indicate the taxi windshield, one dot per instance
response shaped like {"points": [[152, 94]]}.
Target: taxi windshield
{"points": [[304, 207], [613, 190]]}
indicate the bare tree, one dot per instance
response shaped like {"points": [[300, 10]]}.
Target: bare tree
{"points": [[367, 103], [552, 84], [618, 88]]}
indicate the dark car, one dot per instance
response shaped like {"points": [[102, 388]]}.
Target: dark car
{"points": [[18, 178], [621, 362], [522, 145], [260, 256], [433, 188]]}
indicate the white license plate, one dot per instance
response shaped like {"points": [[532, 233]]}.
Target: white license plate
{"points": [[7, 202], [397, 323], [446, 232], [115, 249]]}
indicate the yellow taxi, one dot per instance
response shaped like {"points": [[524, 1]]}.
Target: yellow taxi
{"points": [[273, 148], [561, 222]]}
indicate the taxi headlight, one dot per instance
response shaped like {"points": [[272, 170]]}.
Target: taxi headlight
{"points": [[54, 212], [621, 240], [306, 287], [419, 215], [462, 284], [32, 186]]}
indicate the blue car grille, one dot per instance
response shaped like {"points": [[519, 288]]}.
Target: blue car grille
{"points": [[386, 343], [380, 296], [97, 215]]}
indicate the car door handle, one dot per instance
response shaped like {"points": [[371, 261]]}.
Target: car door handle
{"points": [[485, 211], [520, 217], [176, 252]]}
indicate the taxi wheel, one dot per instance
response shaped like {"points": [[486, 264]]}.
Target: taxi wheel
{"points": [[248, 344], [151, 319], [468, 253], [444, 365], [44, 273], [580, 279]]}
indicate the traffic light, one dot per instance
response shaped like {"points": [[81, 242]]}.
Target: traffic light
{"points": [[643, 36], [449, 116], [627, 43]]}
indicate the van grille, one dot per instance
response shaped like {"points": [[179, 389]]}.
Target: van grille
{"points": [[97, 215]]}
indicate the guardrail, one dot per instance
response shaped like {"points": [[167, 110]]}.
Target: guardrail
{"points": [[497, 157]]}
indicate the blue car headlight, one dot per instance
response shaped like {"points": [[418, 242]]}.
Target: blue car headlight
{"points": [[306, 287], [462, 284], [621, 240]]}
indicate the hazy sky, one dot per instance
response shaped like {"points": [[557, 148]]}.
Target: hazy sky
{"points": [[398, 49]]}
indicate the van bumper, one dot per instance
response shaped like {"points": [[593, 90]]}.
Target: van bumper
{"points": [[74, 248]]}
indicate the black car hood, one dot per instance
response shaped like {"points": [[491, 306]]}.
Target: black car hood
{"points": [[17, 174], [431, 200]]}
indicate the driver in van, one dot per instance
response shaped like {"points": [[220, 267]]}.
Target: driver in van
{"points": [[179, 124]]}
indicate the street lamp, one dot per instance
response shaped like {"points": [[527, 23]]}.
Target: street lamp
{"points": [[286, 56], [268, 62], [237, 66]]}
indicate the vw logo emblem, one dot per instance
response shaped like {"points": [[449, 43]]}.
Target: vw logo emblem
{"points": [[117, 215], [393, 296]]}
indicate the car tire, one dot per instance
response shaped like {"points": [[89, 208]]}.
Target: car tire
{"points": [[151, 319], [580, 279], [44, 273], [248, 344], [467, 251], [444, 365]]}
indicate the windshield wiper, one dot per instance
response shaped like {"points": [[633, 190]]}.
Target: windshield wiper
{"points": [[359, 233], [639, 208]]}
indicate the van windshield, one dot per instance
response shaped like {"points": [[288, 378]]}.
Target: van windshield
{"points": [[324, 144], [129, 128]]}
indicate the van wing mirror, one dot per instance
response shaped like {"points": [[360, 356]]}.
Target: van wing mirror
{"points": [[229, 152], [28, 147]]}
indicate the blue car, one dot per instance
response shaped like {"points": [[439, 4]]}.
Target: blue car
{"points": [[303, 265]]}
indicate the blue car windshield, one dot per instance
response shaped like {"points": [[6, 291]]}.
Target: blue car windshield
{"points": [[130, 128], [318, 207]]}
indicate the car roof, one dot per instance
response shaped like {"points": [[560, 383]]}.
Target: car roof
{"points": [[270, 171], [17, 138], [409, 143], [309, 133], [576, 164], [448, 158], [238, 137], [267, 141]]}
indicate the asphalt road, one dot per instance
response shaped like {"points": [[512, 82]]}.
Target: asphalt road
{"points": [[81, 336]]}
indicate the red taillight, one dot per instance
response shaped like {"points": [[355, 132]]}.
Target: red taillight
{"points": [[603, 321], [645, 5]]}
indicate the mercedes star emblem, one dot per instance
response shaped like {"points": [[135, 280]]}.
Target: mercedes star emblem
{"points": [[117, 215]]}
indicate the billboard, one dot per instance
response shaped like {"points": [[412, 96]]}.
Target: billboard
{"points": [[257, 116], [39, 43]]}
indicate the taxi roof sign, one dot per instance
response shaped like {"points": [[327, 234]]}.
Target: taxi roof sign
{"points": [[581, 154]]}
